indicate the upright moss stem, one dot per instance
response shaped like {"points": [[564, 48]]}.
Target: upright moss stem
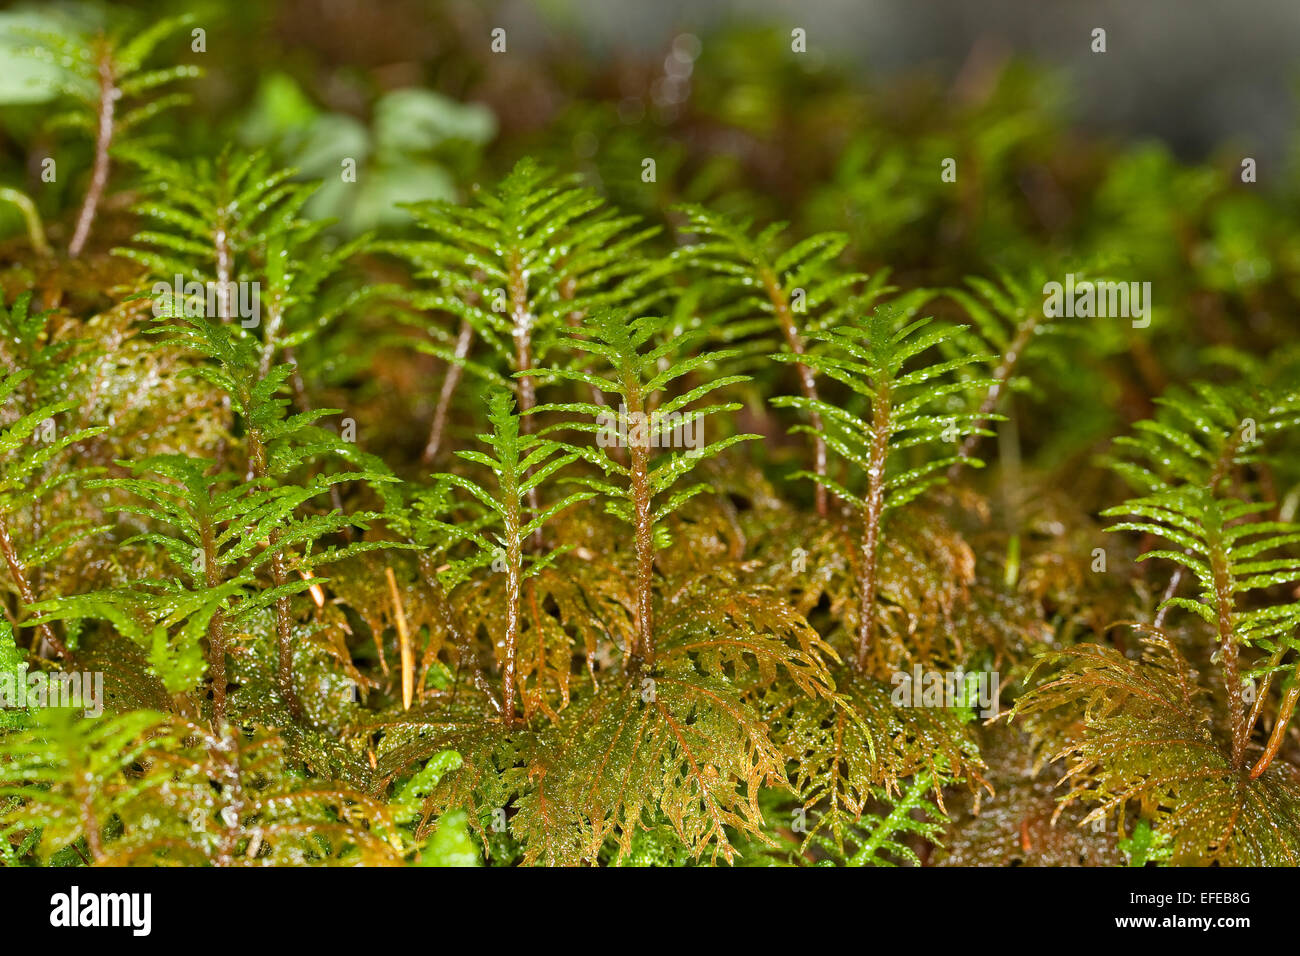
{"points": [[875, 507], [464, 338], [642, 652], [108, 97], [1223, 592], [25, 593], [509, 666], [514, 558], [522, 320]]}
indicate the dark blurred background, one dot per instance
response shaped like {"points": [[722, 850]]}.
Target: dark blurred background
{"points": [[1191, 72]]}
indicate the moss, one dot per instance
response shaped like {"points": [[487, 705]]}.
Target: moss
{"points": [[538, 530]]}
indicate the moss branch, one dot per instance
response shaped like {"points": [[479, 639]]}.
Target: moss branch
{"points": [[514, 581], [464, 339], [871, 515], [224, 752], [642, 652], [1223, 594], [522, 320], [1278, 736], [25, 593]]}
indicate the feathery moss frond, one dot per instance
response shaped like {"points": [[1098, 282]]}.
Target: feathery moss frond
{"points": [[518, 263], [758, 282], [520, 463], [638, 354], [905, 410], [1148, 742], [113, 94]]}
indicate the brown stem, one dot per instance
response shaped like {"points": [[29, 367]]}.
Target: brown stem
{"points": [[1228, 650], [880, 424], [522, 320], [25, 593], [464, 338], [514, 580], [538, 701], [108, 96], [807, 378], [639, 453], [257, 465]]}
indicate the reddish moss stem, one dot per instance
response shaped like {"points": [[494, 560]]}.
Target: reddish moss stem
{"points": [[643, 651], [25, 593], [514, 582], [224, 750], [1278, 736], [464, 339], [522, 320], [284, 633], [807, 378], [108, 96], [880, 424], [1228, 651]]}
